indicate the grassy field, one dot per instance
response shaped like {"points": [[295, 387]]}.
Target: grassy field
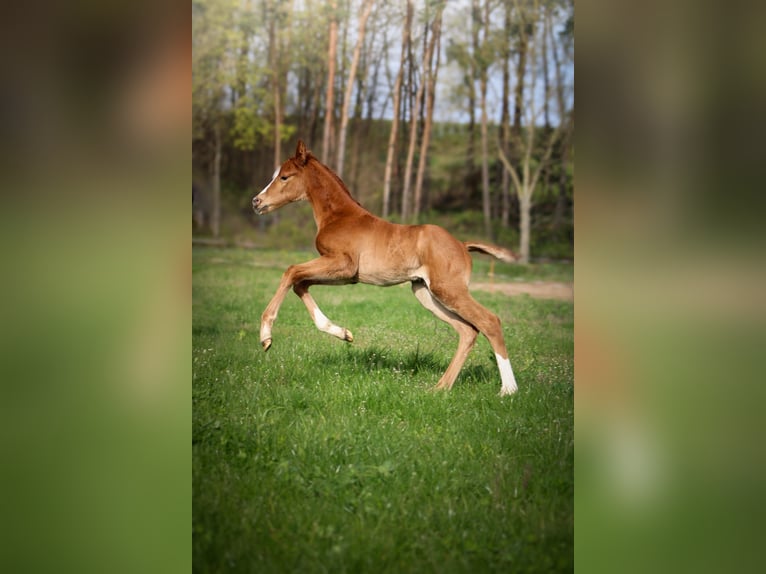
{"points": [[324, 456]]}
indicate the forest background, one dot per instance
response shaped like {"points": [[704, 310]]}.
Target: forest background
{"points": [[452, 112]]}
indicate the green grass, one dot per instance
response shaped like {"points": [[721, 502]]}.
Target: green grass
{"points": [[323, 456]]}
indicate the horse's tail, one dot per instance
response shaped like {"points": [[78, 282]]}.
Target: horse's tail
{"points": [[500, 253]]}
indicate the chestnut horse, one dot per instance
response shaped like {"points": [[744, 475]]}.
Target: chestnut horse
{"points": [[355, 246]]}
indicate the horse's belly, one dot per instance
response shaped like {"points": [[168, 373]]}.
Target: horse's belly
{"points": [[386, 275], [382, 277], [390, 258]]}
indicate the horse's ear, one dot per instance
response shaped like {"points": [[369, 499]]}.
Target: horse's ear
{"points": [[301, 153]]}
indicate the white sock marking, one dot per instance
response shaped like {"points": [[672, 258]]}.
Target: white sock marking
{"points": [[324, 324], [506, 375], [321, 321]]}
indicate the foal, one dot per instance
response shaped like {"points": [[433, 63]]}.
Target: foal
{"points": [[355, 246]]}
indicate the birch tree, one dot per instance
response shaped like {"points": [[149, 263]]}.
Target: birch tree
{"points": [[329, 113], [471, 80], [505, 116], [431, 71], [397, 93], [525, 183], [310, 62], [363, 17], [407, 208], [214, 43], [483, 59], [276, 91], [563, 112]]}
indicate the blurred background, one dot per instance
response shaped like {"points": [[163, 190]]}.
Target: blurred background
{"points": [[415, 105], [670, 311], [95, 325], [96, 321]]}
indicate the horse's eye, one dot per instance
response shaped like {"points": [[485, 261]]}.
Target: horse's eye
{"points": [[283, 178]]}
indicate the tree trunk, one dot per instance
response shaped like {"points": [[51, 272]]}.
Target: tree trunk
{"points": [[314, 119], [395, 122], [415, 112], [470, 180], [277, 126], [558, 213], [330, 94], [431, 64], [407, 183], [367, 8], [372, 88], [485, 197], [546, 17], [526, 182], [521, 69], [525, 208], [546, 80], [275, 87], [505, 121], [340, 74], [356, 126], [215, 220]]}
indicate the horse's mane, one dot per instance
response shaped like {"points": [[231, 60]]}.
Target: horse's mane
{"points": [[336, 177]]}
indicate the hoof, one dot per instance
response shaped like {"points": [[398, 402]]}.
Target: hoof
{"points": [[266, 344], [504, 392], [349, 337]]}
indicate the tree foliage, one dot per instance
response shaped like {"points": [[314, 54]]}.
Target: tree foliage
{"points": [[265, 72]]}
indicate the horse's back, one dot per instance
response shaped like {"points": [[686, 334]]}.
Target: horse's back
{"points": [[438, 238]]}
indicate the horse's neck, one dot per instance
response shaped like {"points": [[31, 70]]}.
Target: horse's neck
{"points": [[329, 198]]}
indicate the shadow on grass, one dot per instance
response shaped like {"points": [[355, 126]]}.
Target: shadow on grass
{"points": [[416, 362], [202, 330]]}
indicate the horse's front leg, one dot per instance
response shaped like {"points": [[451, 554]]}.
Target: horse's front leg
{"points": [[272, 310], [320, 319], [328, 270]]}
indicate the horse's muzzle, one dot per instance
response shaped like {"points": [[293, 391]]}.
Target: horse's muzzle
{"points": [[259, 206]]}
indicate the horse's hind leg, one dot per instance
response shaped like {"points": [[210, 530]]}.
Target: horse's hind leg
{"points": [[466, 332], [320, 320], [457, 299]]}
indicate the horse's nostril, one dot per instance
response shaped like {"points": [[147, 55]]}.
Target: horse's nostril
{"points": [[256, 201]]}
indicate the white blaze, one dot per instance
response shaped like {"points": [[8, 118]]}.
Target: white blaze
{"points": [[273, 177]]}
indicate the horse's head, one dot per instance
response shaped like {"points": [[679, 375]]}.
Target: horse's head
{"points": [[286, 185]]}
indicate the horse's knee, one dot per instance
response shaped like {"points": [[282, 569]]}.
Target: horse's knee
{"points": [[268, 316], [499, 325], [290, 276], [492, 327], [495, 321], [467, 333]]}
